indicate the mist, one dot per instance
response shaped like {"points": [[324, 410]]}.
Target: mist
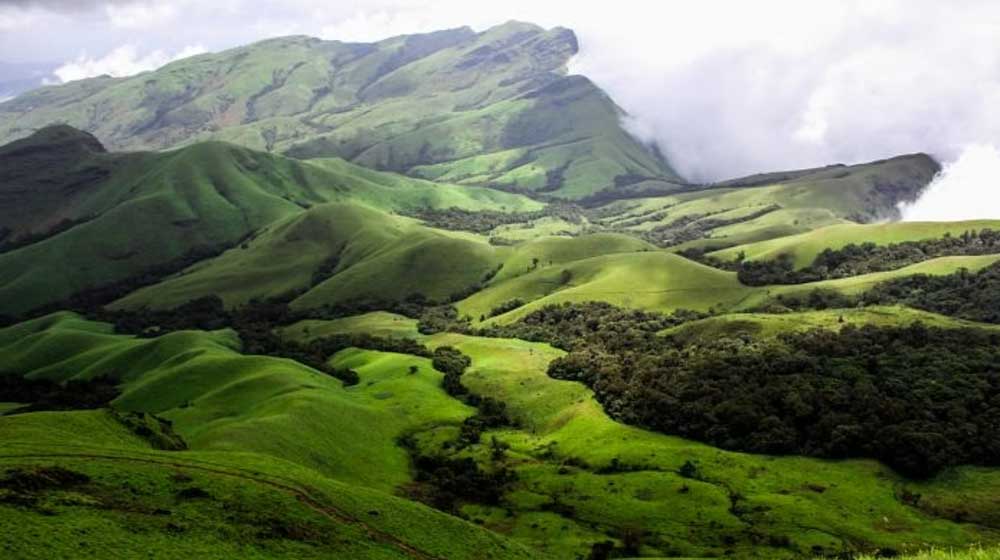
{"points": [[723, 88], [967, 188]]}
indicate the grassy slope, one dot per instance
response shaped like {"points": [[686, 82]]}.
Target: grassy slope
{"points": [[455, 105], [960, 553], [260, 507], [833, 196], [648, 280], [220, 400], [761, 325], [857, 505], [379, 256], [662, 281], [146, 209], [226, 405], [804, 247]]}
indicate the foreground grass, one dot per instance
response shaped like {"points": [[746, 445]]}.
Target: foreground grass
{"points": [[970, 554], [131, 501], [584, 478]]}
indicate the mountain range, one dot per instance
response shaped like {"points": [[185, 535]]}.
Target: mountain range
{"points": [[428, 298]]}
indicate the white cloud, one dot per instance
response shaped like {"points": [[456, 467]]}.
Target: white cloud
{"points": [[122, 61], [966, 189], [141, 15], [13, 18]]}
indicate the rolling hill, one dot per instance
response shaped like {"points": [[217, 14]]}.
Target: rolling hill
{"points": [[426, 298], [110, 217]]}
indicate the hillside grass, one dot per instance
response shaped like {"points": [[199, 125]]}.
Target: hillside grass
{"points": [[139, 502], [369, 255], [973, 553], [806, 246], [563, 500], [858, 501], [259, 411], [764, 325], [152, 209], [220, 400], [653, 280]]}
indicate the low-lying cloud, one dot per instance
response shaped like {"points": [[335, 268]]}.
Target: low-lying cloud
{"points": [[724, 88], [967, 188], [123, 61]]}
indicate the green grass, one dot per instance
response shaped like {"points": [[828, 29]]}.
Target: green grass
{"points": [[814, 200], [255, 507], [806, 246], [858, 501], [220, 400], [763, 325], [973, 553], [652, 280], [278, 416], [378, 257], [377, 323], [143, 210]]}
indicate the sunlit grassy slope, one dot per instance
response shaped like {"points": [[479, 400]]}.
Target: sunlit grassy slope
{"points": [[661, 281], [479, 108], [266, 417], [371, 255], [222, 401], [564, 501], [804, 247], [762, 325], [647, 280], [141, 210], [728, 215], [138, 502]]}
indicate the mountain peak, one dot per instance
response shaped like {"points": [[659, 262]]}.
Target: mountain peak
{"points": [[59, 140]]}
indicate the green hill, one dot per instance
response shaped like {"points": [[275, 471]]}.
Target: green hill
{"points": [[110, 217], [278, 445], [652, 280], [478, 108], [369, 255], [804, 247], [81, 483], [725, 215]]}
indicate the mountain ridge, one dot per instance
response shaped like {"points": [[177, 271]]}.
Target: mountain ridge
{"points": [[452, 105]]}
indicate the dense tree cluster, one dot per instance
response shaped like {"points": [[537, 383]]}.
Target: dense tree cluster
{"points": [[44, 394], [974, 296], [917, 398], [445, 482], [854, 259], [578, 325], [967, 295], [697, 226], [507, 306], [9, 243], [485, 221], [452, 363]]}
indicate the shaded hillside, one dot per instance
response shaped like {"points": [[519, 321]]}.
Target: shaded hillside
{"points": [[77, 217], [478, 108], [333, 254]]}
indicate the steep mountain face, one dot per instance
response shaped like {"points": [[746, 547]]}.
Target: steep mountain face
{"points": [[493, 108]]}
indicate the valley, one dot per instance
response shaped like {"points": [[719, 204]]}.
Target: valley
{"points": [[428, 298]]}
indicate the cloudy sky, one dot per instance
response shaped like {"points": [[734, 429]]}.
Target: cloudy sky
{"points": [[725, 88]]}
